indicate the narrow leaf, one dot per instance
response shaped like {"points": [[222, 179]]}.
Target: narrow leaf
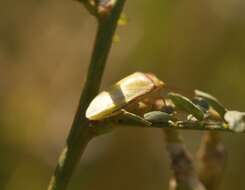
{"points": [[187, 105], [217, 106], [201, 103], [157, 117], [123, 20], [116, 38]]}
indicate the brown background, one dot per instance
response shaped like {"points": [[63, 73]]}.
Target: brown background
{"points": [[44, 54]]}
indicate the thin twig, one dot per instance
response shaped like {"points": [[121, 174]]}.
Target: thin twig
{"points": [[80, 133], [184, 177], [182, 125], [211, 156]]}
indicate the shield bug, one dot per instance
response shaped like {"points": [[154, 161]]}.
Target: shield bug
{"points": [[127, 91]]}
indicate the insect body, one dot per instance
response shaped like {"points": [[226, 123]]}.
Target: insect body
{"points": [[130, 89]]}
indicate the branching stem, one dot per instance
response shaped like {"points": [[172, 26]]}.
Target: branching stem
{"points": [[184, 174], [212, 158], [182, 125], [81, 133]]}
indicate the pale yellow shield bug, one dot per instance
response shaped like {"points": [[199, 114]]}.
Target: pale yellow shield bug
{"points": [[130, 89]]}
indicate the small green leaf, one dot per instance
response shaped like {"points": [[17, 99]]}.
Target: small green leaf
{"points": [[116, 38], [235, 120], [157, 117], [136, 118], [187, 105], [201, 103], [123, 20], [217, 106]]}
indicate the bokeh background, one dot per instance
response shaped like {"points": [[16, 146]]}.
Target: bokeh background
{"points": [[45, 48]]}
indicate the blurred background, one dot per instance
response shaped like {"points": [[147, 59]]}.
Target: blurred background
{"points": [[45, 48]]}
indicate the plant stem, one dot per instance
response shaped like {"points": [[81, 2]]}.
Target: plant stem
{"points": [[212, 157], [183, 125], [185, 177], [80, 133]]}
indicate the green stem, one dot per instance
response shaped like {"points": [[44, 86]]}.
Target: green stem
{"points": [[183, 125], [80, 133]]}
